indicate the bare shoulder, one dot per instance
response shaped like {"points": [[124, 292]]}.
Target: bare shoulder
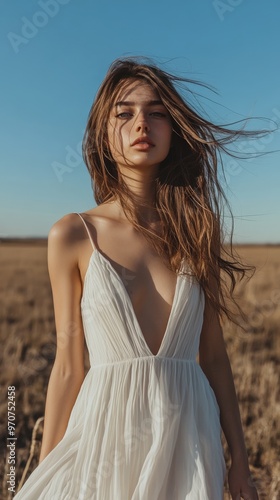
{"points": [[67, 240], [65, 237], [66, 230]]}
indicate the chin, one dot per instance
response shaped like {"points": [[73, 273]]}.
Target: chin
{"points": [[147, 162]]}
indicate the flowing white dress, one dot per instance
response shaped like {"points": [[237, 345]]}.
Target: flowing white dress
{"points": [[144, 426]]}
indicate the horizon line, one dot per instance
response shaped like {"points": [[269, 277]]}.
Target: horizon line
{"points": [[44, 239]]}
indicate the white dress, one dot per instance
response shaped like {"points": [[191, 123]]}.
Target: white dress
{"points": [[144, 426]]}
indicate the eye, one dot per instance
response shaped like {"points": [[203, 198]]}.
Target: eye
{"points": [[126, 114], [162, 115], [120, 115]]}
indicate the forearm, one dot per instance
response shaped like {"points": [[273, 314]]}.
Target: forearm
{"points": [[220, 378], [61, 395]]}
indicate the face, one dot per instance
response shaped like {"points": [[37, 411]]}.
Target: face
{"points": [[139, 113]]}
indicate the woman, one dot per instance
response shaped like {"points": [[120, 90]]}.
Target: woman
{"points": [[139, 277]]}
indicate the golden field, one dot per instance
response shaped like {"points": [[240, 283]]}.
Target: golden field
{"points": [[28, 350]]}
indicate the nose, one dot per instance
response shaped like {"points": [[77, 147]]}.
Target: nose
{"points": [[141, 123]]}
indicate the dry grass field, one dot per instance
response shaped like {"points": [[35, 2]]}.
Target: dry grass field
{"points": [[28, 349]]}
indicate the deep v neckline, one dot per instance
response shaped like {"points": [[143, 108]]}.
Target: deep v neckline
{"points": [[103, 259]]}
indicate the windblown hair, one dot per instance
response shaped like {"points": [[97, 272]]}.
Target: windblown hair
{"points": [[190, 200]]}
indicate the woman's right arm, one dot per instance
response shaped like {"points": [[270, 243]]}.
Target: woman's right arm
{"points": [[67, 374]]}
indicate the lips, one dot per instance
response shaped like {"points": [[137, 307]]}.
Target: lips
{"points": [[143, 139]]}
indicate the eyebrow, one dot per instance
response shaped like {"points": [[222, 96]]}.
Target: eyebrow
{"points": [[131, 103]]}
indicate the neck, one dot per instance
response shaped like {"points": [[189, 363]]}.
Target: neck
{"points": [[142, 187]]}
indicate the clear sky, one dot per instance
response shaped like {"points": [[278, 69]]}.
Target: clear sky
{"points": [[54, 55]]}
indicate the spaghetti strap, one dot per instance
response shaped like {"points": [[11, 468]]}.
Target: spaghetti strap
{"points": [[88, 231]]}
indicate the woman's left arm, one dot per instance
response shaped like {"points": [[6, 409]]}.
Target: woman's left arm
{"points": [[215, 363]]}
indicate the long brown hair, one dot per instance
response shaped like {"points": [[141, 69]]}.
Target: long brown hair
{"points": [[190, 199]]}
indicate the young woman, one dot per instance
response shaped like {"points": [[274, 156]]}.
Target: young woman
{"points": [[140, 277]]}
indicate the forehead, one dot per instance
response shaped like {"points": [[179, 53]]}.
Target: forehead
{"points": [[138, 91]]}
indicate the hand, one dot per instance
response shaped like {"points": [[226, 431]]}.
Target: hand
{"points": [[241, 484]]}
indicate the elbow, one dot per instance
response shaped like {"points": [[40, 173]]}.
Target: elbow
{"points": [[68, 373]]}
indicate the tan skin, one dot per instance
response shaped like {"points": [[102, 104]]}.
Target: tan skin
{"points": [[150, 284]]}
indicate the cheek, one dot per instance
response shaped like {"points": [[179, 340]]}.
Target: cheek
{"points": [[115, 140]]}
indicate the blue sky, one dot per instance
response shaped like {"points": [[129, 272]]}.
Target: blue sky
{"points": [[54, 55]]}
